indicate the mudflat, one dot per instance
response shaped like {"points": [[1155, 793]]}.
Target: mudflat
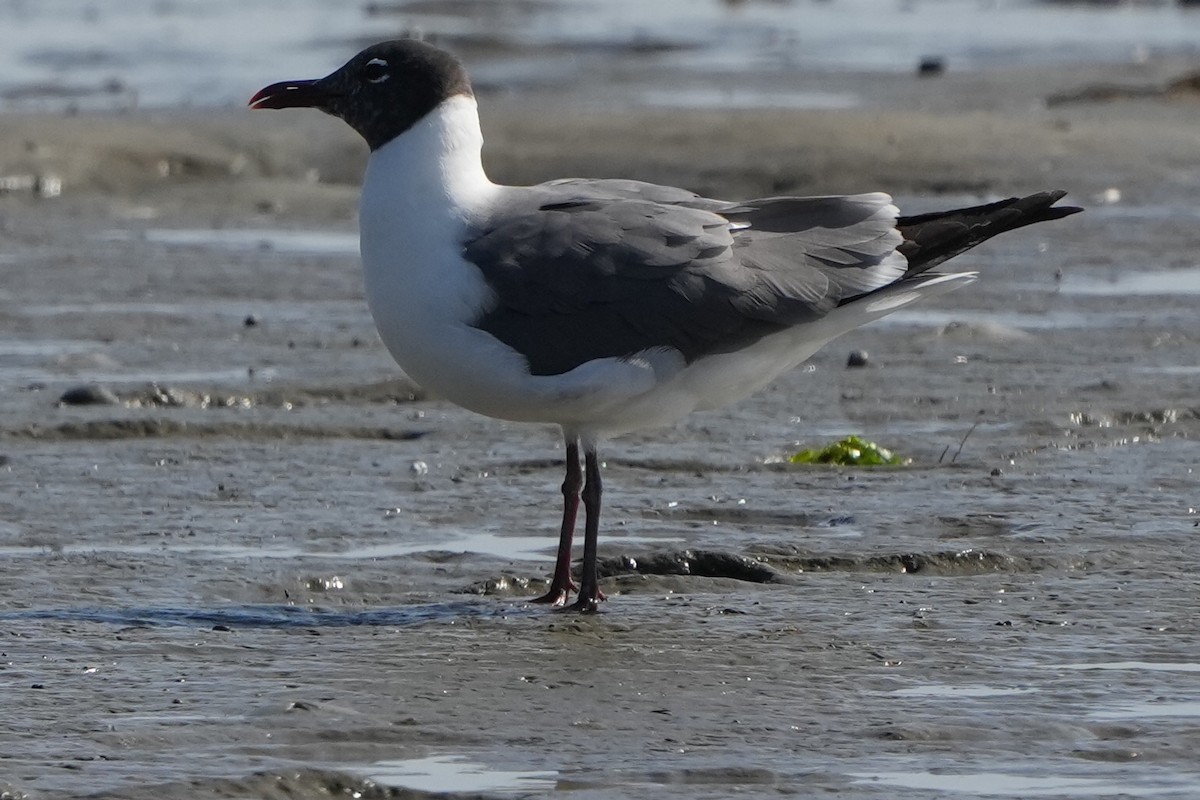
{"points": [[260, 562]]}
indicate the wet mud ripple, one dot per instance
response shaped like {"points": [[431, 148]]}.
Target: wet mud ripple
{"points": [[766, 568], [156, 395], [277, 785], [262, 616], [778, 568], [112, 429], [132, 409]]}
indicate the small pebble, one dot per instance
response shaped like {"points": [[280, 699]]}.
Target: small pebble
{"points": [[858, 358], [47, 185], [250, 321], [88, 395], [931, 66]]}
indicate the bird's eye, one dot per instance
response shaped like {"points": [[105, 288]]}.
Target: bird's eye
{"points": [[375, 71]]}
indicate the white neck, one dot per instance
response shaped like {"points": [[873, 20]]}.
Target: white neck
{"points": [[421, 193], [433, 166]]}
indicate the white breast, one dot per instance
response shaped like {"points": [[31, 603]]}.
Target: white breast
{"points": [[420, 193]]}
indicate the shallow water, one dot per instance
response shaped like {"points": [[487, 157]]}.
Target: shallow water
{"points": [[147, 53], [1163, 283], [997, 784], [283, 241], [456, 774]]}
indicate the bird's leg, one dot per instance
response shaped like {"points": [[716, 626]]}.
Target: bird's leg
{"points": [[589, 582], [562, 585]]}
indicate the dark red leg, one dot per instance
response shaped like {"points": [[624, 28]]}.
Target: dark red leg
{"points": [[589, 582], [562, 585]]}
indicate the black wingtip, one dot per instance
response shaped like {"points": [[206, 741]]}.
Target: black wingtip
{"points": [[930, 239], [1058, 212], [1040, 207]]}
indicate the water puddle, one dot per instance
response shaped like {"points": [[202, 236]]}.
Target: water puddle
{"points": [[1048, 320], [942, 691], [1168, 282], [1150, 709], [279, 241], [530, 548], [324, 311], [455, 773], [534, 548], [46, 348], [1171, 369], [1149, 666], [19, 375], [744, 98], [999, 784]]}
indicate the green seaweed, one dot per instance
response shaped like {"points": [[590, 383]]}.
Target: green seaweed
{"points": [[853, 451]]}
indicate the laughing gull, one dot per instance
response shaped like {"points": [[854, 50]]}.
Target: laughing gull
{"points": [[605, 306]]}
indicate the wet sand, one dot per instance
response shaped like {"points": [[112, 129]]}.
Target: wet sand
{"points": [[271, 567]]}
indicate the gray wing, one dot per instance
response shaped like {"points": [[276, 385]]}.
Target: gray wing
{"points": [[593, 269]]}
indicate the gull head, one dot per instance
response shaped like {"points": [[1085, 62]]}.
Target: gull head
{"points": [[381, 92]]}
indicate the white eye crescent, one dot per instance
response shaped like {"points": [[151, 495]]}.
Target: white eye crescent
{"points": [[376, 71]]}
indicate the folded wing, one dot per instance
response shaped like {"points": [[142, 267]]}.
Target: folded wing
{"points": [[596, 269]]}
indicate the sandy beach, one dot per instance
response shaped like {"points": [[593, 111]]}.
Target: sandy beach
{"points": [[264, 564]]}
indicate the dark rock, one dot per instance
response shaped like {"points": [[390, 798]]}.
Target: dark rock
{"points": [[931, 66], [88, 395], [857, 358]]}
